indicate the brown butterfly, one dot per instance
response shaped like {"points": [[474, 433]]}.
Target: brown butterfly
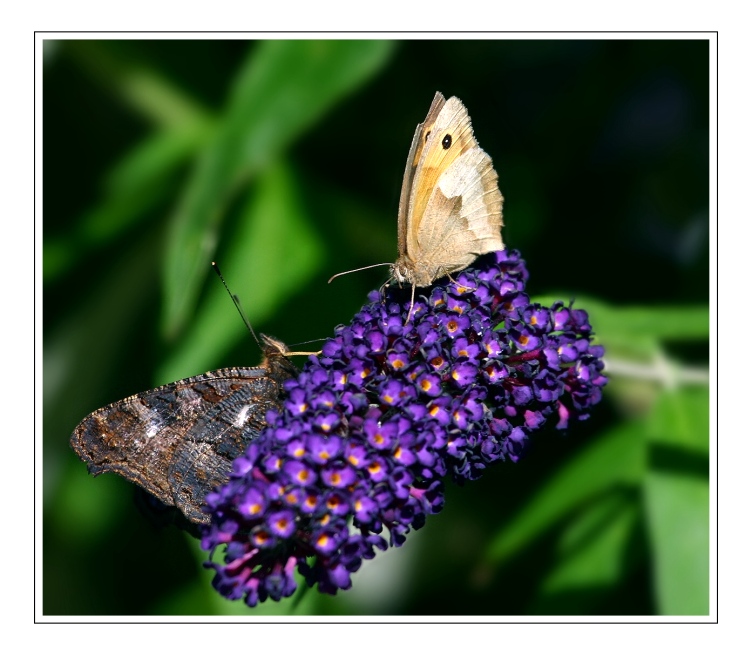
{"points": [[450, 204], [178, 441]]}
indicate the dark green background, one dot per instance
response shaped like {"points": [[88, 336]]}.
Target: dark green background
{"points": [[283, 161]]}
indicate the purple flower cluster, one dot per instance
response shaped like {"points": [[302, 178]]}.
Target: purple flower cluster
{"points": [[371, 427]]}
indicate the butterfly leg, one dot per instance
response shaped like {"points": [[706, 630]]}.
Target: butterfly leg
{"points": [[461, 286], [412, 304], [382, 291]]}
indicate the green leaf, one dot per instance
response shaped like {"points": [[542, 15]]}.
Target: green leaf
{"points": [[623, 325], [677, 500], [593, 557], [678, 522], [282, 90], [262, 275], [135, 185], [611, 462], [157, 156], [119, 68], [681, 420], [667, 323]]}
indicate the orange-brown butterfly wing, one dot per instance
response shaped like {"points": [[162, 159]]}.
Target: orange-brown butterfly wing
{"points": [[417, 148], [446, 138]]}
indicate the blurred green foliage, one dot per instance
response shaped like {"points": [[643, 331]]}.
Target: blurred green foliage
{"points": [[282, 161]]}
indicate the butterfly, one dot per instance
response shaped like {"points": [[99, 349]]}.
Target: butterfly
{"points": [[450, 204], [178, 441]]}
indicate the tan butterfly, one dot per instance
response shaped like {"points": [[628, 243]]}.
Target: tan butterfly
{"points": [[450, 205]]}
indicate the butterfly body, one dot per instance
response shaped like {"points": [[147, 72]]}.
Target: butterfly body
{"points": [[450, 206], [178, 441]]}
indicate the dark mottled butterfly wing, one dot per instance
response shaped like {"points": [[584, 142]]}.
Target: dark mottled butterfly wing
{"points": [[178, 441]]}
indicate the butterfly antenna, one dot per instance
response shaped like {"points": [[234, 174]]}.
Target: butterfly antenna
{"points": [[303, 343], [236, 301], [355, 270]]}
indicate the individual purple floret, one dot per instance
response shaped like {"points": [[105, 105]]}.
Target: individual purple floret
{"points": [[372, 426]]}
